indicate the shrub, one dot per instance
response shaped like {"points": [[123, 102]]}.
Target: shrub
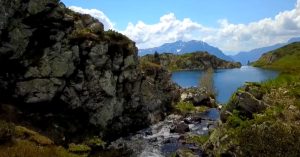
{"points": [[207, 82]]}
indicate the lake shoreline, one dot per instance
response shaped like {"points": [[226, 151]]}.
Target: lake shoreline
{"points": [[227, 81]]}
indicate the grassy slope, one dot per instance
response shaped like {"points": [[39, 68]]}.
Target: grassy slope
{"points": [[276, 131], [286, 59]]}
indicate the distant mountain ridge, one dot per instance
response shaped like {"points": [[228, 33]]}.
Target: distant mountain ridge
{"points": [[181, 47], [255, 54]]}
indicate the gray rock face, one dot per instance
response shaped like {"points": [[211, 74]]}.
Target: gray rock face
{"points": [[52, 56]]}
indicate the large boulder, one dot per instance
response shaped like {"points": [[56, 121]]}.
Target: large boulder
{"points": [[247, 101], [66, 74], [198, 96]]}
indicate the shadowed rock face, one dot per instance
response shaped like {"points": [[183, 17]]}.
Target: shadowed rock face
{"points": [[63, 72]]}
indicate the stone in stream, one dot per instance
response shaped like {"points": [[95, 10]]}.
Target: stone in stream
{"points": [[180, 128], [198, 96]]}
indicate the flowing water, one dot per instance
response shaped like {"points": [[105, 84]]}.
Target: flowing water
{"points": [[226, 81], [159, 141]]}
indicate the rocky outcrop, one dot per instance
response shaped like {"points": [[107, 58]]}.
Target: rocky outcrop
{"points": [[247, 101], [65, 74], [190, 61], [198, 97]]}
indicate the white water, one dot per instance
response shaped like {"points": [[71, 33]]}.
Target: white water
{"points": [[158, 141]]}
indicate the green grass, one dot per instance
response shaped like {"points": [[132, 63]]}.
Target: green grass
{"points": [[285, 59]]}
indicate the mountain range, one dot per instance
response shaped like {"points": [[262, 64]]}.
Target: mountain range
{"points": [[255, 54], [181, 47], [244, 57]]}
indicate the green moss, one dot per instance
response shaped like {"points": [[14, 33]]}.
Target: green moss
{"points": [[185, 106], [95, 142], [201, 108], [79, 148], [28, 143], [84, 34], [26, 148], [116, 36]]}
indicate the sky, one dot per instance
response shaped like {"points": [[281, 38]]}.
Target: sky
{"points": [[231, 25]]}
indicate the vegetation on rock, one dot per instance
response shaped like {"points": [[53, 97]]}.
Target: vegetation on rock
{"points": [[189, 61], [263, 119]]}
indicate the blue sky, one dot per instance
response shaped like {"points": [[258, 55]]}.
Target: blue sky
{"points": [[143, 21], [207, 12]]}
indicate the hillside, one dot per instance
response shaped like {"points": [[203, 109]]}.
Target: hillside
{"points": [[255, 54], [285, 59], [262, 119], [181, 47], [189, 61]]}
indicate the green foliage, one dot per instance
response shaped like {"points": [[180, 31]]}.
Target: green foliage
{"points": [[7, 130], [274, 132], [235, 120], [199, 140], [283, 80], [270, 139], [185, 106]]}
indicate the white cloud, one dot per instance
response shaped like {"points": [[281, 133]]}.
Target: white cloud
{"points": [[96, 14], [228, 36]]}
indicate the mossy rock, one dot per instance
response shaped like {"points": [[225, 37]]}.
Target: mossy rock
{"points": [[25, 133], [95, 142], [185, 107], [26, 148], [79, 148]]}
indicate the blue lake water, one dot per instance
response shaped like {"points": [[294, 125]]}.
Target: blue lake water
{"points": [[226, 81]]}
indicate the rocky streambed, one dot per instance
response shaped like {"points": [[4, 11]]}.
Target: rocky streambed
{"points": [[167, 138]]}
